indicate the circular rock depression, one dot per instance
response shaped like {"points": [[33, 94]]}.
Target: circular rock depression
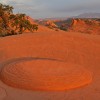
{"points": [[44, 75]]}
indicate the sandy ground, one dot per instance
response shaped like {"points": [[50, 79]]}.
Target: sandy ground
{"points": [[73, 48]]}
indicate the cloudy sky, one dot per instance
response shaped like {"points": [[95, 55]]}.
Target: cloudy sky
{"points": [[53, 8]]}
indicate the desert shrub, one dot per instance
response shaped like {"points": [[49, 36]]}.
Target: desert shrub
{"points": [[89, 22], [11, 24], [20, 22], [63, 27]]}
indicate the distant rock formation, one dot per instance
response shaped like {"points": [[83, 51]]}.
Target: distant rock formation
{"points": [[49, 23], [81, 25], [88, 26]]}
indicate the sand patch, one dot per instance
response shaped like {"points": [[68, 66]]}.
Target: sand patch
{"points": [[3, 93], [42, 74]]}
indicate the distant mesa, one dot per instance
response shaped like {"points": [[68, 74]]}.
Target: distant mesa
{"points": [[89, 15], [45, 75]]}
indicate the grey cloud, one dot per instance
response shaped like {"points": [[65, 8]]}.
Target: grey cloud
{"points": [[76, 7], [47, 8]]}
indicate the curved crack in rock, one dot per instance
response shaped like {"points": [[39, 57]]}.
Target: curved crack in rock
{"points": [[3, 93]]}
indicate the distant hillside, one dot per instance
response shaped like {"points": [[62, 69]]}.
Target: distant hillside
{"points": [[82, 25], [49, 23], [89, 15], [55, 18]]}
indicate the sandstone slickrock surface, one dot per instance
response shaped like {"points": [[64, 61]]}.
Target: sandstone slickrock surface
{"points": [[44, 75]]}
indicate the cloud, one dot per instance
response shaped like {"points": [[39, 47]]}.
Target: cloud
{"points": [[3, 1], [80, 7], [47, 8], [6, 1]]}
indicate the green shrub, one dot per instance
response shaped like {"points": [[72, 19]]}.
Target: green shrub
{"points": [[11, 24]]}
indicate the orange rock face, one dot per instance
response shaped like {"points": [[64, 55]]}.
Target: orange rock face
{"points": [[42, 74], [87, 26]]}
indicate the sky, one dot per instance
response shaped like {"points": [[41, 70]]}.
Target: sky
{"points": [[53, 8]]}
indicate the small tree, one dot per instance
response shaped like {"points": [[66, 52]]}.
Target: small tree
{"points": [[20, 22], [11, 24], [5, 11]]}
